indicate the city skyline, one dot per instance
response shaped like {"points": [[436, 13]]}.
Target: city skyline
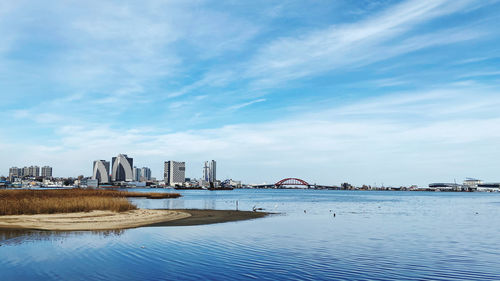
{"points": [[393, 92]]}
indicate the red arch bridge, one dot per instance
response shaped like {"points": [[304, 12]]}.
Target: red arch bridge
{"points": [[289, 182]]}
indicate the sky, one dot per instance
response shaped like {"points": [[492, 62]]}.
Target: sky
{"points": [[365, 92]]}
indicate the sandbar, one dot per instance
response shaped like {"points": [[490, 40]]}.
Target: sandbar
{"points": [[94, 220], [109, 220], [203, 216]]}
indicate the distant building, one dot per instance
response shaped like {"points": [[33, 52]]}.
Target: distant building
{"points": [[137, 174], [446, 186], [210, 171], [145, 174], [471, 183], [101, 171], [489, 187], [46, 172], [26, 172], [15, 172], [174, 173], [206, 171], [34, 171], [213, 170], [122, 168], [89, 183]]}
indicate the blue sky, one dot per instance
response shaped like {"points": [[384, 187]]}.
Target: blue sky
{"points": [[393, 92]]}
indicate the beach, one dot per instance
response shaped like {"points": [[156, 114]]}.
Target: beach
{"points": [[93, 220], [200, 216], [109, 220]]}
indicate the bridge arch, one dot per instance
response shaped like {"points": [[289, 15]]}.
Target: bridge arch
{"points": [[291, 181]]}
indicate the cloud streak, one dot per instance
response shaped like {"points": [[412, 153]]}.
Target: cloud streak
{"points": [[242, 105], [357, 44], [371, 140]]}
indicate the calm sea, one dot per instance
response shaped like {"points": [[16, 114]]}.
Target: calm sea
{"points": [[374, 236]]}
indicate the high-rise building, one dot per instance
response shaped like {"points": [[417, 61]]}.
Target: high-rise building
{"points": [[15, 172], [33, 171], [137, 174], [145, 173], [122, 168], [101, 171], [213, 169], [174, 172], [26, 172], [46, 172], [206, 172]]}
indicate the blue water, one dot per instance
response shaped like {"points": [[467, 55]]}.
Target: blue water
{"points": [[374, 236]]}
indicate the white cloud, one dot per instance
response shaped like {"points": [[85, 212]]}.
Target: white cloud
{"points": [[357, 44], [400, 139], [241, 105]]}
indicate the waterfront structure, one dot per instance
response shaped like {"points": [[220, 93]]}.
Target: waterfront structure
{"points": [[145, 174], [446, 186], [101, 171], [471, 183], [206, 172], [137, 174], [122, 168], [210, 171], [174, 173], [46, 172], [488, 187], [213, 170], [89, 183]]}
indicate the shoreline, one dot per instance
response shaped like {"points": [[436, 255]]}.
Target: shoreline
{"points": [[108, 220], [206, 216]]}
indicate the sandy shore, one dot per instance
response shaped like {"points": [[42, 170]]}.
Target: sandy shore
{"points": [[108, 220], [94, 220], [198, 217]]}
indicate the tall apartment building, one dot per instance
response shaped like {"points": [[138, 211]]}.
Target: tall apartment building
{"points": [[33, 171], [145, 173], [174, 172], [26, 172], [15, 172], [122, 168], [101, 171], [137, 174], [213, 170], [46, 172], [206, 171], [210, 171]]}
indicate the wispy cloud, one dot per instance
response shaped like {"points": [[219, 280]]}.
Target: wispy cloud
{"points": [[241, 105], [370, 140], [264, 88], [358, 43], [480, 73]]}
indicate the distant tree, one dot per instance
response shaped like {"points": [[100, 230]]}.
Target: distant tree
{"points": [[68, 181], [346, 186]]}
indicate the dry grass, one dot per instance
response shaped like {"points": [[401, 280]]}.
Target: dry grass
{"points": [[151, 195], [19, 202]]}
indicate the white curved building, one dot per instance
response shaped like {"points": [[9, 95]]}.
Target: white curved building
{"points": [[122, 168], [101, 171]]}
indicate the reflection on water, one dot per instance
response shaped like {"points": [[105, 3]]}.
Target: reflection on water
{"points": [[373, 236], [11, 237]]}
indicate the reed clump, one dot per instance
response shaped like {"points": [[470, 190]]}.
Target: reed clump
{"points": [[24, 202]]}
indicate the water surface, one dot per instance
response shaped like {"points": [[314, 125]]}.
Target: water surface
{"points": [[376, 235]]}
